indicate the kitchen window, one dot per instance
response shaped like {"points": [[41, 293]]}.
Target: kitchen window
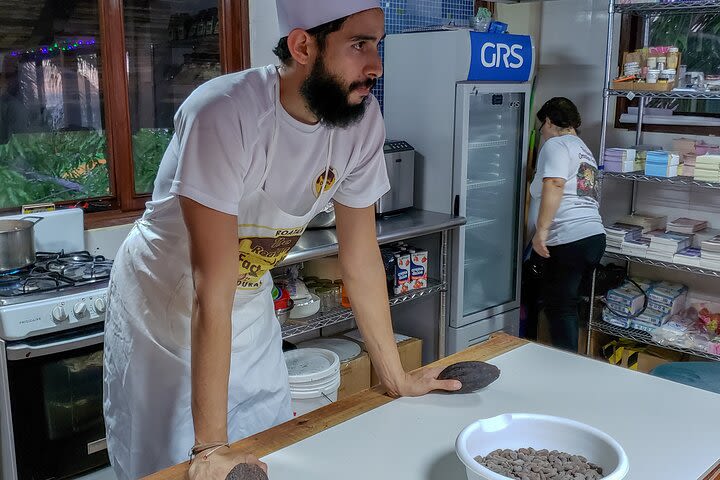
{"points": [[698, 38], [89, 88]]}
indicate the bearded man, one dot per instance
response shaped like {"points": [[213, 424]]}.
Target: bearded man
{"points": [[193, 352]]}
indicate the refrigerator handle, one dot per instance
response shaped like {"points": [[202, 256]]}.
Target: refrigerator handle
{"points": [[456, 206]]}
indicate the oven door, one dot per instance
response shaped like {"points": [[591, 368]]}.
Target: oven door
{"points": [[56, 394]]}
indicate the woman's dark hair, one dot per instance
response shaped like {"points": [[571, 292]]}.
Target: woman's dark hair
{"points": [[320, 33], [561, 112]]}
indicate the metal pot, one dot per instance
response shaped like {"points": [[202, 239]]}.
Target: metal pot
{"points": [[325, 218], [17, 243]]}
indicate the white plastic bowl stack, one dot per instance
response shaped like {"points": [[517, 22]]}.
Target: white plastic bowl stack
{"points": [[522, 430], [314, 375]]}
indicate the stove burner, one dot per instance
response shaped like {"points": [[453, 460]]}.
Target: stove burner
{"points": [[53, 271], [9, 282]]}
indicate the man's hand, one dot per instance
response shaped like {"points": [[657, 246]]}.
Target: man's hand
{"points": [[424, 381], [218, 465], [539, 241]]}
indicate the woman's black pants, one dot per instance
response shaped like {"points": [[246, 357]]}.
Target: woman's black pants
{"points": [[561, 277]]}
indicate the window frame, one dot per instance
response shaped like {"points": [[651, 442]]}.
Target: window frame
{"points": [[126, 205], [631, 38]]}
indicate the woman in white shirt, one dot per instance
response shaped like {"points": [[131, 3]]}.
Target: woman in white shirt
{"points": [[569, 232]]}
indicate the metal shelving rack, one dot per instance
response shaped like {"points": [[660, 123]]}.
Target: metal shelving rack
{"points": [[303, 325], [645, 11], [641, 177], [668, 265]]}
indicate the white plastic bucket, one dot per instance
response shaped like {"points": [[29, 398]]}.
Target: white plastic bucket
{"points": [[314, 375]]}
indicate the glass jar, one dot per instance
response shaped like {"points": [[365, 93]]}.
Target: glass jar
{"points": [[336, 295], [327, 299], [344, 299]]}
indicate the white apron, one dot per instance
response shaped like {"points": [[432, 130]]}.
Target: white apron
{"points": [[147, 335]]}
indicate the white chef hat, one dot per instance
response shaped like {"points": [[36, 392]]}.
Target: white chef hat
{"points": [[306, 14]]}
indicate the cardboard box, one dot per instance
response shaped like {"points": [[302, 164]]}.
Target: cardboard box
{"points": [[636, 356], [354, 376], [410, 350], [410, 357]]}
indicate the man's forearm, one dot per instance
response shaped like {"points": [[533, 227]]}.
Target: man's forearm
{"points": [[365, 283], [210, 370]]}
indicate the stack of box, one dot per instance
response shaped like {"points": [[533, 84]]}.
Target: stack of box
{"points": [[710, 253], [707, 168], [685, 147], [664, 245], [689, 256], [667, 297], [637, 247], [702, 148], [686, 225], [662, 164], [621, 160], [625, 300], [406, 268], [647, 222], [664, 299], [617, 233], [689, 150]]}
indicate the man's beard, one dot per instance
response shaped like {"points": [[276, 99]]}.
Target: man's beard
{"points": [[328, 99]]}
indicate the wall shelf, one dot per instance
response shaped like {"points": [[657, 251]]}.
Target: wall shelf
{"points": [[670, 94], [657, 263], [304, 325], [654, 8], [644, 337], [641, 177], [475, 185]]}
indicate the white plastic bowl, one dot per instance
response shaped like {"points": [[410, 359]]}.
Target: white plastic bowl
{"points": [[523, 430]]}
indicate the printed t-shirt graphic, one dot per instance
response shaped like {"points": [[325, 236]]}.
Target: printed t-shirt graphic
{"points": [[261, 249], [318, 185], [587, 175]]}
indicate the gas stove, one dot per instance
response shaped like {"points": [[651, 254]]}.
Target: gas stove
{"points": [[58, 292]]}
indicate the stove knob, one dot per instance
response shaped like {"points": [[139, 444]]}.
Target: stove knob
{"points": [[80, 309], [100, 305], [59, 314]]}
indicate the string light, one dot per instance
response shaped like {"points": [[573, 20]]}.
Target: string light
{"points": [[68, 45]]}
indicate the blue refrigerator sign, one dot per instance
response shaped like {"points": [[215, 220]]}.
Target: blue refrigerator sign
{"points": [[500, 57]]}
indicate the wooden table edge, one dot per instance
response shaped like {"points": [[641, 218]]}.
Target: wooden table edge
{"points": [[713, 473], [297, 429]]}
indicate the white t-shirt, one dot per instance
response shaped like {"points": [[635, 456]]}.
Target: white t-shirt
{"points": [[578, 216], [218, 153]]}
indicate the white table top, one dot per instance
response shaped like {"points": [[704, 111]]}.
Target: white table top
{"points": [[668, 430]]}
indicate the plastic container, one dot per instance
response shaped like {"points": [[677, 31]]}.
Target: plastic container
{"points": [[668, 75], [673, 58], [314, 377], [305, 307], [523, 430], [653, 76]]}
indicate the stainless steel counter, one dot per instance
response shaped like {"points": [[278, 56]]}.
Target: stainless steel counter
{"points": [[413, 223]]}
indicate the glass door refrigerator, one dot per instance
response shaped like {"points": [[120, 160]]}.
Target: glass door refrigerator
{"points": [[462, 99]]}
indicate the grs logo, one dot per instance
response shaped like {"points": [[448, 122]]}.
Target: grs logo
{"points": [[495, 55]]}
